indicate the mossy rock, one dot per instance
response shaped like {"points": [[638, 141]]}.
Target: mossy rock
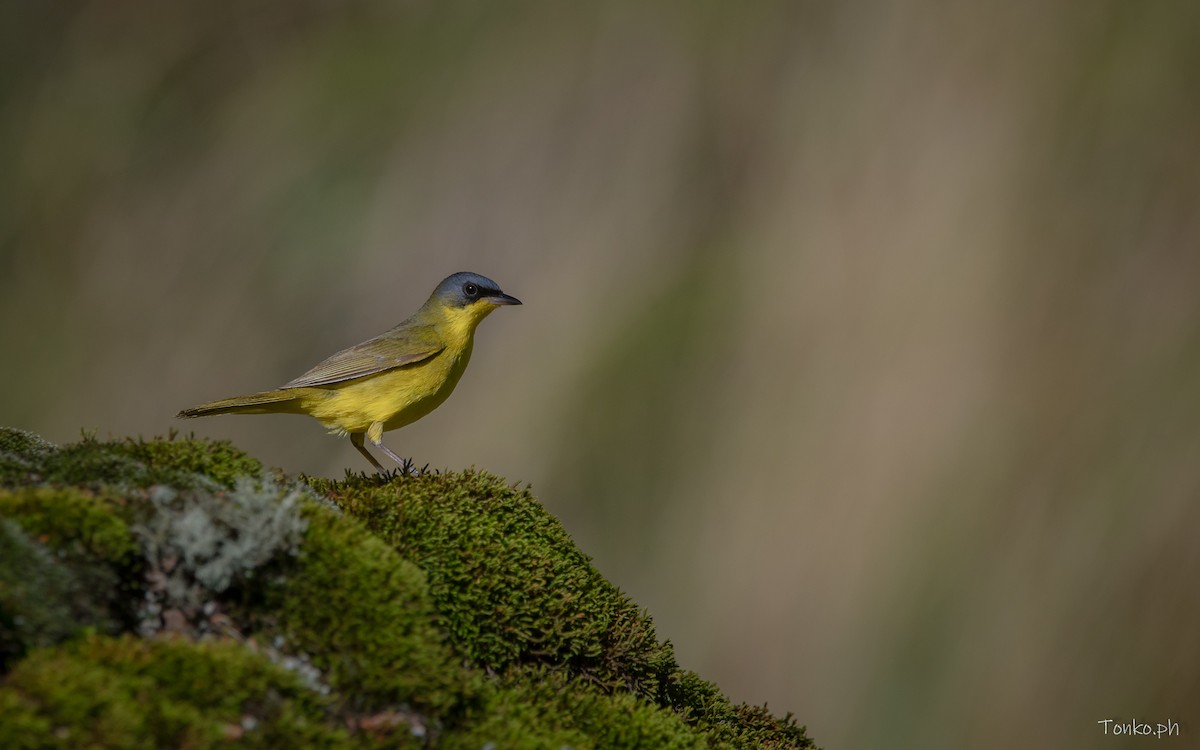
{"points": [[511, 586], [26, 458], [223, 605], [129, 692]]}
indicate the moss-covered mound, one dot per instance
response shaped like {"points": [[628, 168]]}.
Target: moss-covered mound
{"points": [[170, 593]]}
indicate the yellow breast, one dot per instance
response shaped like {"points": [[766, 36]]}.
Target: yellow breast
{"points": [[402, 395]]}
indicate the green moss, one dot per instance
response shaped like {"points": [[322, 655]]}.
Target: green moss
{"points": [[514, 590], [703, 706], [507, 718], [440, 611], [217, 460], [142, 463], [80, 521], [66, 558], [180, 463], [364, 617], [539, 707], [130, 693], [24, 445], [37, 595], [757, 727], [510, 584], [20, 453]]}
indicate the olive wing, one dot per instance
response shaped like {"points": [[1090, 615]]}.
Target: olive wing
{"points": [[396, 348]]}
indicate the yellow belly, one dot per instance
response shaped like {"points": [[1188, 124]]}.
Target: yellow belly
{"points": [[392, 398]]}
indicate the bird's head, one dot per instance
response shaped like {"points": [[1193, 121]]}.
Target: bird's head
{"points": [[468, 296]]}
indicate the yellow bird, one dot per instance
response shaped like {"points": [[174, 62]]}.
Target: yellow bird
{"points": [[391, 380]]}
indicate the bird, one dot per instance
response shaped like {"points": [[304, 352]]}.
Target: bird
{"points": [[388, 381]]}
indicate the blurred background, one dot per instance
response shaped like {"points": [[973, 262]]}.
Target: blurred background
{"points": [[861, 341]]}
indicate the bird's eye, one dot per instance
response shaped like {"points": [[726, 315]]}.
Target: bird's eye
{"points": [[470, 290]]}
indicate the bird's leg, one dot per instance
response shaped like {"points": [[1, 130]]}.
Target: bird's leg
{"points": [[391, 454], [375, 435], [356, 439]]}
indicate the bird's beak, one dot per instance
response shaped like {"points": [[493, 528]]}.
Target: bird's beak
{"points": [[503, 299]]}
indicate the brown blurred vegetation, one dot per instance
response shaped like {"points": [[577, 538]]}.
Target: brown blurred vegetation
{"points": [[861, 340]]}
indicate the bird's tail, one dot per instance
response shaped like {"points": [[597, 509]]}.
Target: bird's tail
{"points": [[268, 402]]}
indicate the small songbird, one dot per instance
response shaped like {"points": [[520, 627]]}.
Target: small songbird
{"points": [[391, 380]]}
